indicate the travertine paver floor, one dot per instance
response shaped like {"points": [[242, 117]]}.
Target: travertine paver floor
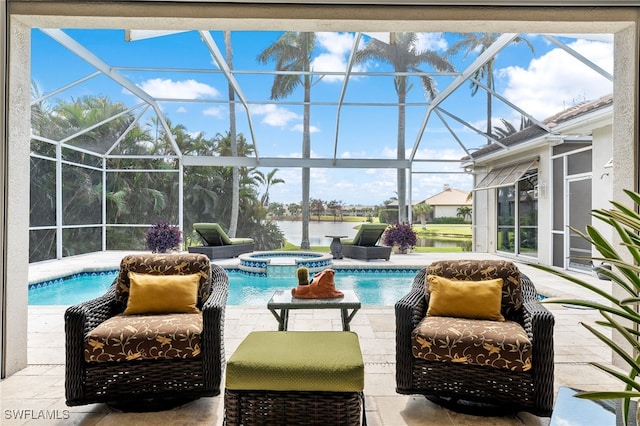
{"points": [[37, 393]]}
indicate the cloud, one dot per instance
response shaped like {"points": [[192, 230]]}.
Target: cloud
{"points": [[338, 47], [185, 89], [432, 41], [299, 128], [181, 110], [355, 186], [217, 112], [335, 43], [274, 115], [438, 154], [557, 80], [425, 41]]}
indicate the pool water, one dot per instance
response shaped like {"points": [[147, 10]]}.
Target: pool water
{"points": [[377, 288], [70, 291]]}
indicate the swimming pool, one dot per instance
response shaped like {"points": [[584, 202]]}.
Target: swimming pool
{"points": [[375, 287]]}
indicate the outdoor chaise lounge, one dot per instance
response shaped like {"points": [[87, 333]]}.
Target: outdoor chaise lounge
{"points": [[363, 245], [217, 244]]}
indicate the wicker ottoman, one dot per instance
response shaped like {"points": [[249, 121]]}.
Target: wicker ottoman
{"points": [[295, 378]]}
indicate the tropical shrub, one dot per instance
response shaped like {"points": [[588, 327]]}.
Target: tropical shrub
{"points": [[447, 220], [269, 237], [620, 314], [387, 215], [134, 196]]}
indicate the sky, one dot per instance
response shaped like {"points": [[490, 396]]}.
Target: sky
{"points": [[542, 82]]}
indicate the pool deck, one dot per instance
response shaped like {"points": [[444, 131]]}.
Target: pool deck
{"points": [[40, 386]]}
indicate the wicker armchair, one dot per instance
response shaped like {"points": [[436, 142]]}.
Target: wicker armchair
{"points": [[460, 381], [146, 366]]}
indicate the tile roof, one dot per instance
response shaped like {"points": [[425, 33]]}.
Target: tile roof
{"points": [[552, 121], [449, 197]]}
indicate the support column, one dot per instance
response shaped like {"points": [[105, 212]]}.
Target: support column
{"points": [[3, 160], [626, 173], [15, 194]]}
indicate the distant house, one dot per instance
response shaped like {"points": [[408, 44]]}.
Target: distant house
{"points": [[447, 202]]}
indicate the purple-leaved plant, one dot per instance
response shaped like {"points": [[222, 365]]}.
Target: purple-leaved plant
{"points": [[401, 235], [162, 237]]}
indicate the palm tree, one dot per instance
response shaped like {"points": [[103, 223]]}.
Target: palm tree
{"points": [[422, 210], [235, 187], [464, 212], [509, 129], [267, 181], [403, 55], [292, 52], [478, 43]]}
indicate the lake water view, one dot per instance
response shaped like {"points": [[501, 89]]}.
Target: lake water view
{"points": [[292, 231]]}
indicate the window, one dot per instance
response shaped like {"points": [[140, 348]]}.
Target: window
{"points": [[506, 219], [517, 207]]}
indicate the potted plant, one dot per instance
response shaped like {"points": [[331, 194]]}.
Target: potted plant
{"points": [[401, 237], [162, 237], [621, 313]]}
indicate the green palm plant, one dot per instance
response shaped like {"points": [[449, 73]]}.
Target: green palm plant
{"points": [[620, 313], [464, 212], [509, 129], [478, 43], [403, 54], [422, 210], [292, 52], [267, 181]]}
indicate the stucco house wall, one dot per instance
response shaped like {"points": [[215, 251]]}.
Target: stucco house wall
{"points": [[597, 124]]}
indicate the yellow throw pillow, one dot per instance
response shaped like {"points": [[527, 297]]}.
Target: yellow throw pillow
{"points": [[465, 299], [155, 294]]}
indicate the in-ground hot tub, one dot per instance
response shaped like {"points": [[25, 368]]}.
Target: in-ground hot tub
{"points": [[283, 263]]}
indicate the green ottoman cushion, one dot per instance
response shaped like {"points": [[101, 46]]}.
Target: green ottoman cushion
{"points": [[328, 361]]}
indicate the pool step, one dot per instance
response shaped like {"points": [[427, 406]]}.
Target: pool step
{"points": [[282, 271]]}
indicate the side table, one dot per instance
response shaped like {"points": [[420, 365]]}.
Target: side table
{"points": [[336, 245], [282, 302]]}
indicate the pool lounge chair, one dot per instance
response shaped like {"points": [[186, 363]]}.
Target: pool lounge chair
{"points": [[363, 245], [217, 244]]}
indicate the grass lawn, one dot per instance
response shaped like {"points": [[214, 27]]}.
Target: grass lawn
{"points": [[444, 230], [439, 232], [325, 249]]}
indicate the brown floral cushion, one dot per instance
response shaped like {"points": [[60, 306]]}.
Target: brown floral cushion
{"points": [[480, 270], [138, 337], [164, 264], [467, 341]]}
